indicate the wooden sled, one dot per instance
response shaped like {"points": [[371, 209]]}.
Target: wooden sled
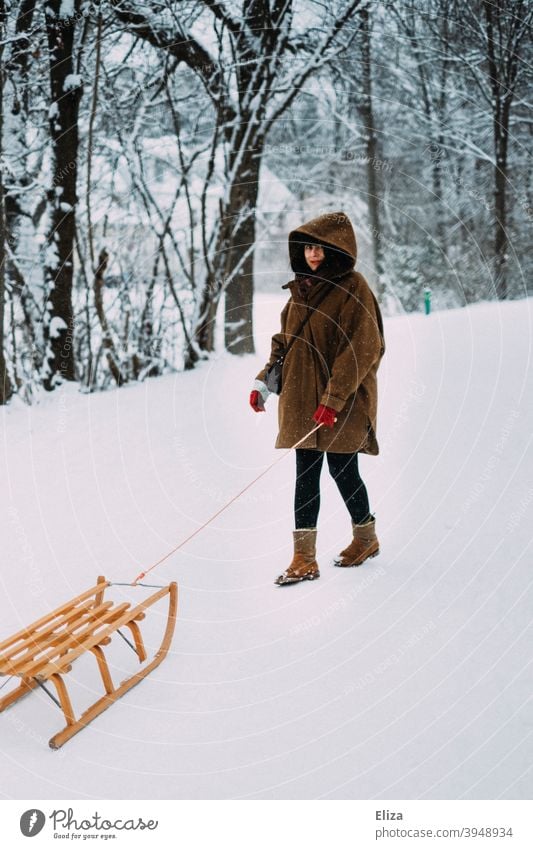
{"points": [[45, 650]]}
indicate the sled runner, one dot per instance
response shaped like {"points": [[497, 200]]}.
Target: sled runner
{"points": [[45, 650]]}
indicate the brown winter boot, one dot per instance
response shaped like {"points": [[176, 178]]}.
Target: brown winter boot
{"points": [[304, 566], [363, 545]]}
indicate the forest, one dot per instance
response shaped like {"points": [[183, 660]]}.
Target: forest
{"points": [[154, 154]]}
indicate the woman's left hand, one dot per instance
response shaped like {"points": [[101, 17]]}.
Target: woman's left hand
{"points": [[325, 415], [256, 401]]}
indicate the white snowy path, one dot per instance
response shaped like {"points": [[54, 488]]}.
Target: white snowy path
{"points": [[406, 678]]}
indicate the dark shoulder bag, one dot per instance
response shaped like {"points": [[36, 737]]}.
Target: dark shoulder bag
{"points": [[274, 374]]}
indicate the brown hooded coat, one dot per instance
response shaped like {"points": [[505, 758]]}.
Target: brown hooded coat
{"points": [[335, 359]]}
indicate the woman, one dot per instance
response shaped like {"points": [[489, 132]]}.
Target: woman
{"points": [[329, 377]]}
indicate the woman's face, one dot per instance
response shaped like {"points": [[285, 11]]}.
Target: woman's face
{"points": [[314, 255]]}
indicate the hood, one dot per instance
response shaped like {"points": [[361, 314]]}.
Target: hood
{"points": [[334, 231]]}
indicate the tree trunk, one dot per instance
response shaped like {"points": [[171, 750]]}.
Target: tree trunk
{"points": [[6, 389], [233, 259], [248, 151], [62, 197], [440, 106], [367, 115], [500, 236], [107, 340], [205, 330], [501, 87], [238, 314]]}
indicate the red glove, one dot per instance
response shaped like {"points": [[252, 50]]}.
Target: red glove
{"points": [[325, 415], [256, 401]]}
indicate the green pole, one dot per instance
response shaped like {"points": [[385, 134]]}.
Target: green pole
{"points": [[427, 301]]}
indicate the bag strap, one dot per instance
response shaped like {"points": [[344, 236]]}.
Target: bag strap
{"points": [[306, 319]]}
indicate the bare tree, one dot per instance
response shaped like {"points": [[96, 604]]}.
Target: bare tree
{"points": [[498, 30], [366, 109], [66, 89], [6, 388], [431, 40], [260, 68]]}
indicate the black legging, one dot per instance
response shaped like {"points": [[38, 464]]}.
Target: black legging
{"points": [[345, 472]]}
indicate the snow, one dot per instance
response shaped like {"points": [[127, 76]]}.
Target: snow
{"points": [[406, 678], [57, 324], [72, 81], [66, 10], [51, 256]]}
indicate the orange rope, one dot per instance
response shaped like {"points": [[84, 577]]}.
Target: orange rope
{"points": [[224, 507]]}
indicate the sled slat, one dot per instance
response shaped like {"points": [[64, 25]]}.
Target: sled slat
{"points": [[14, 665], [25, 632], [69, 641], [52, 634], [90, 641]]}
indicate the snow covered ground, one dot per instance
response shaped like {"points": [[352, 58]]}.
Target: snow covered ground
{"points": [[406, 678]]}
